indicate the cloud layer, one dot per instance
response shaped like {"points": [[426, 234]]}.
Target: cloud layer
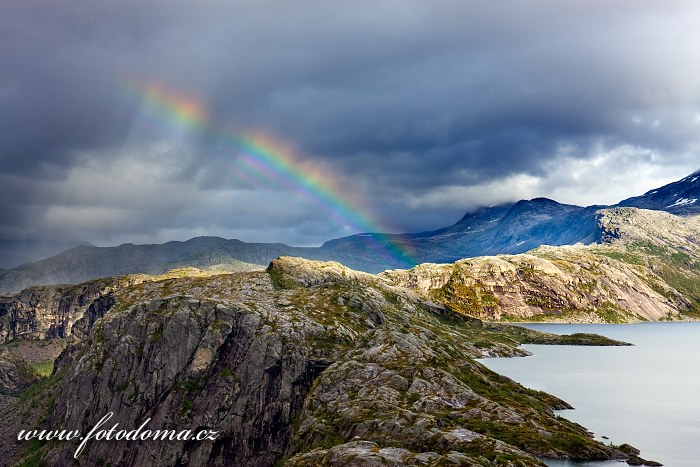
{"points": [[421, 110]]}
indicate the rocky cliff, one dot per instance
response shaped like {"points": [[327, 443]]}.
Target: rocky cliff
{"points": [[51, 311], [304, 364]]}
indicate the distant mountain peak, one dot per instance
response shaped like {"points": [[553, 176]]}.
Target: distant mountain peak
{"points": [[541, 199], [541, 205]]}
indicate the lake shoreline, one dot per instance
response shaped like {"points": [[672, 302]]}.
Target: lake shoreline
{"points": [[636, 395]]}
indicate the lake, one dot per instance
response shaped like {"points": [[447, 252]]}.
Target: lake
{"points": [[647, 395]]}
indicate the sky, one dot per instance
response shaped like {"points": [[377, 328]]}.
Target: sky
{"points": [[299, 122]]}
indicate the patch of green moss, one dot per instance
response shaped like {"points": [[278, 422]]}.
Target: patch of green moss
{"points": [[191, 386], [687, 282], [32, 454], [540, 301], [157, 335], [648, 248], [186, 406], [280, 280], [623, 256], [680, 257], [528, 438], [613, 314], [552, 313], [469, 301], [43, 368]]}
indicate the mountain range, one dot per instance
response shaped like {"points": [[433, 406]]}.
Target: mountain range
{"points": [[509, 228]]}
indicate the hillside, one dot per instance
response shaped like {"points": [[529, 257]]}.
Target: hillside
{"points": [[304, 364], [646, 268]]}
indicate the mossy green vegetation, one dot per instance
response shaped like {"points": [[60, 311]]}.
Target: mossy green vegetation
{"points": [[470, 301], [43, 368], [623, 256], [32, 454], [32, 409], [281, 280]]}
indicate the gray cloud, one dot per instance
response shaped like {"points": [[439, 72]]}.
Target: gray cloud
{"points": [[421, 110]]}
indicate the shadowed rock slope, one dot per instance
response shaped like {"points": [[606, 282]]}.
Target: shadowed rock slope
{"points": [[304, 364], [646, 268]]}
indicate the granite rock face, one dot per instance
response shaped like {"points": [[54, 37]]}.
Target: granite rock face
{"points": [[305, 364], [553, 283], [51, 311], [206, 368]]}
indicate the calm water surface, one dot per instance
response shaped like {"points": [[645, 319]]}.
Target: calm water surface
{"points": [[647, 395]]}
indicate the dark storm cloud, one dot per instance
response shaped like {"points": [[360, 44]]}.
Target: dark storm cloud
{"points": [[426, 108]]}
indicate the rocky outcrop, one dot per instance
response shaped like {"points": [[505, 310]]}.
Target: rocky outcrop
{"points": [[304, 364], [550, 283], [391, 388], [642, 228]]}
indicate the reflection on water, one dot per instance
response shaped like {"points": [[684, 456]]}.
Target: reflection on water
{"points": [[647, 395]]}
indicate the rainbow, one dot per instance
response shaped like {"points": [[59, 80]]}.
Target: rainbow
{"points": [[263, 161], [182, 111]]}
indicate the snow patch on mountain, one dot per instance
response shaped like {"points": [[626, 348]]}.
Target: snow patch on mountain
{"points": [[682, 202]]}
